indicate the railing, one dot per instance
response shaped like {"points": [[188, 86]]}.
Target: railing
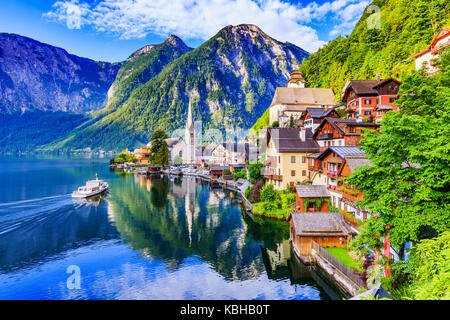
{"points": [[338, 264]]}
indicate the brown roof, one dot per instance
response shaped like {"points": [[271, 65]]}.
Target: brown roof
{"points": [[288, 140], [320, 223], [313, 191], [365, 87], [302, 96], [335, 122]]}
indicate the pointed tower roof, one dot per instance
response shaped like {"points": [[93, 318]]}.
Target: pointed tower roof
{"points": [[190, 121]]}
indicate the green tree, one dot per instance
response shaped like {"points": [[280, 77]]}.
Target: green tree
{"points": [[431, 269], [255, 172], [406, 188], [275, 124], [160, 151], [178, 160]]}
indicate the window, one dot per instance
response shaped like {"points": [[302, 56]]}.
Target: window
{"points": [[352, 129], [357, 102], [392, 99], [292, 173], [303, 159], [367, 113], [367, 101], [378, 100], [304, 173], [292, 159]]}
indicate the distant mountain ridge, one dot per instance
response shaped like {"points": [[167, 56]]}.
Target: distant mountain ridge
{"points": [[230, 81], [37, 76]]}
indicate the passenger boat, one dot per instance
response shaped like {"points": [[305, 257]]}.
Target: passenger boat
{"points": [[92, 188]]}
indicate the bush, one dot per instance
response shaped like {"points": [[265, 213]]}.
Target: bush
{"points": [[269, 194], [275, 124], [255, 172], [239, 174], [226, 172], [248, 191], [255, 195]]}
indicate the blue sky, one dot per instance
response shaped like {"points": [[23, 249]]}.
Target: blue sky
{"points": [[110, 30]]}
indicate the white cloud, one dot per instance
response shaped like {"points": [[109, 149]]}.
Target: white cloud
{"points": [[201, 19]]}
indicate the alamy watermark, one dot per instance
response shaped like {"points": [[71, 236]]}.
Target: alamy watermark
{"points": [[74, 280]]}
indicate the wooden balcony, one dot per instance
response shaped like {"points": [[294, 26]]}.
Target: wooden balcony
{"points": [[325, 136]]}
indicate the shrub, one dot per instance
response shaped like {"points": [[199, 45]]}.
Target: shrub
{"points": [[269, 194], [255, 172], [255, 195], [226, 172], [248, 191], [239, 174], [275, 124]]}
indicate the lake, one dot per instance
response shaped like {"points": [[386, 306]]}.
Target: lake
{"points": [[159, 238]]}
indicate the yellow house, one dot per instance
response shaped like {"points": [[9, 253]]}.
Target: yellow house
{"points": [[286, 156], [144, 155]]}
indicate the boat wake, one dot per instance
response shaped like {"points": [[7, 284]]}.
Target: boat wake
{"points": [[14, 215]]}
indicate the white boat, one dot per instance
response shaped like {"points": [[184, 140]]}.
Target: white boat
{"points": [[92, 188]]}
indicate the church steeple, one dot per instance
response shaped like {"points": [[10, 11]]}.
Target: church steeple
{"points": [[190, 122], [189, 137]]}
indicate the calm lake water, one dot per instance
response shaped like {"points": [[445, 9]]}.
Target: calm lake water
{"points": [[148, 239]]}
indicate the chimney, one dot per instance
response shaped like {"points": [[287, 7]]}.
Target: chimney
{"points": [[378, 76], [302, 134]]}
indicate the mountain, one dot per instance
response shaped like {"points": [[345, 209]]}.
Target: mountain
{"points": [[406, 27], [141, 66], [37, 76], [229, 80]]}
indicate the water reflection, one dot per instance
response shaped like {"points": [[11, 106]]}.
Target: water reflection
{"points": [[150, 238]]}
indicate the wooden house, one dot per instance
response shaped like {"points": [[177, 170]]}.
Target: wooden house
{"points": [[328, 229], [362, 96], [313, 117], [350, 195], [312, 198], [341, 132], [217, 172]]}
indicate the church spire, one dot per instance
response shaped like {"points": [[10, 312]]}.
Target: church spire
{"points": [[190, 122]]}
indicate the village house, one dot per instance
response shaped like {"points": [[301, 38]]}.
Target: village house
{"points": [[331, 161], [363, 96], [341, 132], [286, 152], [313, 117], [203, 155], [312, 198], [143, 154], [427, 57], [233, 153], [294, 99], [349, 195], [328, 229]]}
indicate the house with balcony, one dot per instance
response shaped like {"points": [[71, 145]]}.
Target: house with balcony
{"points": [[313, 117], [363, 96], [341, 132], [331, 160], [427, 57], [350, 195], [286, 156]]}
